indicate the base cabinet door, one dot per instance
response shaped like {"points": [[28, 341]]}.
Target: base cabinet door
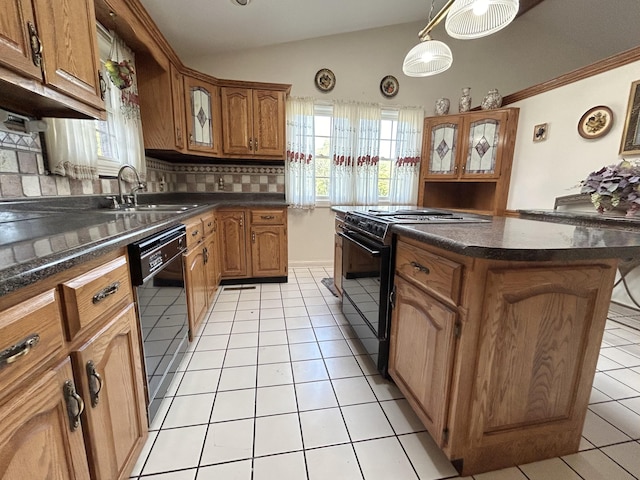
{"points": [[268, 251], [196, 285], [112, 386], [211, 267], [36, 438], [421, 355], [233, 259]]}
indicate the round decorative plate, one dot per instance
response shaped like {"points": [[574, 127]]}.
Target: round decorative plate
{"points": [[325, 80], [389, 86], [596, 122]]}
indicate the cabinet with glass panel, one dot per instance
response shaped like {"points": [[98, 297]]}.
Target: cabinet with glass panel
{"points": [[203, 115], [466, 160]]}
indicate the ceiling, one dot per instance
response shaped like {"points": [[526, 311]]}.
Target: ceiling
{"points": [[197, 28]]}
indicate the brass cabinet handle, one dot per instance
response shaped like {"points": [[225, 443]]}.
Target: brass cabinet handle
{"points": [[105, 292], [253, 237], [191, 138], [420, 268], [179, 134], [251, 144], [205, 254], [255, 144], [242, 221], [103, 85], [195, 233], [14, 352], [209, 224], [267, 217], [95, 383], [455, 169], [75, 405], [36, 45]]}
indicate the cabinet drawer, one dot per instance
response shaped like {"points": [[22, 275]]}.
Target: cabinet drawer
{"points": [[92, 294], [195, 232], [267, 217], [431, 272], [30, 335], [208, 223]]}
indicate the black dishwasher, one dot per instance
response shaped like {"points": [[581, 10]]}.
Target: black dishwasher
{"points": [[157, 273]]}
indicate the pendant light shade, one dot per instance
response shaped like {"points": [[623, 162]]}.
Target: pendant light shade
{"points": [[429, 57], [468, 19]]}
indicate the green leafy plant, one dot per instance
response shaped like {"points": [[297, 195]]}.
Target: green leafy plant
{"points": [[614, 186]]}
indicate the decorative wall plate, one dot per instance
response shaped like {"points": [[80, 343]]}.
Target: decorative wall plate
{"points": [[389, 86], [325, 80], [596, 122]]}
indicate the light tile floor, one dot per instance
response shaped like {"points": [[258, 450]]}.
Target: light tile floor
{"points": [[274, 388]]}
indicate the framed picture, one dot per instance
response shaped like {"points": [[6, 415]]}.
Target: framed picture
{"points": [[596, 122], [540, 132], [389, 86], [630, 144]]}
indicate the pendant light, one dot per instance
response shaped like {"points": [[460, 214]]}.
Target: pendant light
{"points": [[429, 57], [468, 19]]}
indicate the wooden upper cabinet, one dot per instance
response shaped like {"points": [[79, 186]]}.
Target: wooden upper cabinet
{"points": [[15, 45], [268, 123], [466, 160], [203, 115], [253, 122], [178, 107], [53, 47], [70, 48]]}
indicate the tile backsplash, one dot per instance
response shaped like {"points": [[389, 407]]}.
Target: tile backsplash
{"points": [[23, 173]]}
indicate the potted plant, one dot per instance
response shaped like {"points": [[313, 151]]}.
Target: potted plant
{"points": [[615, 187]]}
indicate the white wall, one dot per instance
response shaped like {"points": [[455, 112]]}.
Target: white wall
{"points": [[517, 57], [555, 167]]}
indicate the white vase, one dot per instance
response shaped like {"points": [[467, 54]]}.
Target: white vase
{"points": [[465, 100], [442, 106], [492, 100]]}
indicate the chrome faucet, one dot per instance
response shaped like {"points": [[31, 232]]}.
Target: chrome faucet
{"points": [[134, 191]]}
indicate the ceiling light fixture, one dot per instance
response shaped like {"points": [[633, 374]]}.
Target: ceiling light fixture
{"points": [[465, 19], [241, 3], [469, 19]]}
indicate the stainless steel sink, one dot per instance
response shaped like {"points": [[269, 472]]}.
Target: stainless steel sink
{"points": [[151, 207]]}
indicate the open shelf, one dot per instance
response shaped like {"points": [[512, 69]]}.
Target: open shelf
{"points": [[478, 197]]}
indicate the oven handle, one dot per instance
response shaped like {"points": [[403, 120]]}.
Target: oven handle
{"points": [[350, 238]]}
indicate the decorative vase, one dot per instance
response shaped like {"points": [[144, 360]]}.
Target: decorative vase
{"points": [[492, 100], [442, 106], [465, 100]]}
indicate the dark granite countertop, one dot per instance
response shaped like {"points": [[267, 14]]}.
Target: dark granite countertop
{"points": [[41, 237], [539, 237], [585, 218], [519, 239]]}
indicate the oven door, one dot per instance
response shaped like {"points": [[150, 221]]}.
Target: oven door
{"points": [[365, 293]]}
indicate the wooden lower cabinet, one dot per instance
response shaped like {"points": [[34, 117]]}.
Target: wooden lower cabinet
{"points": [[72, 410], [268, 251], [36, 438], [112, 385], [497, 358], [233, 243], [196, 286], [421, 353], [253, 243]]}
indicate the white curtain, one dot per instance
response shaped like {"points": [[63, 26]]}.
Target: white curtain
{"points": [[300, 183], [406, 169], [354, 147], [72, 148]]}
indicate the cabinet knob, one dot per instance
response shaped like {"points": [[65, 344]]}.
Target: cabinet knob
{"points": [[75, 405], [36, 45], [18, 350], [95, 383], [105, 292], [420, 268]]}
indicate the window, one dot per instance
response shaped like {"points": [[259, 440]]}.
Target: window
{"points": [[322, 153]]}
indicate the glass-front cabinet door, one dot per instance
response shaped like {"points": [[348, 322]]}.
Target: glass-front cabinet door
{"points": [[483, 144], [203, 112], [442, 136]]}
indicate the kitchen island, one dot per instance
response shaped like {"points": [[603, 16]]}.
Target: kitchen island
{"points": [[495, 333]]}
